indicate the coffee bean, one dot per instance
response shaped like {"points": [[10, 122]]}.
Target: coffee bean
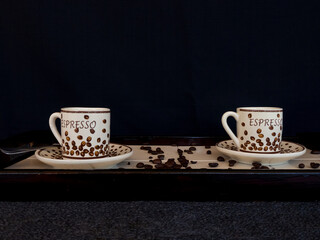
{"points": [[150, 157], [180, 152], [259, 130], [62, 140], [86, 151], [193, 162], [213, 164], [82, 154], [66, 133], [264, 167], [77, 153], [252, 138], [79, 137], [245, 132], [170, 163], [92, 131], [278, 115], [68, 138], [161, 157], [232, 163], [314, 165], [221, 159], [140, 165], [261, 135], [104, 142], [249, 115], [71, 152], [76, 130], [258, 140], [208, 152], [157, 161], [74, 147], [83, 143], [250, 148], [97, 147], [273, 134], [104, 130], [160, 166], [241, 138], [315, 152], [91, 154], [104, 120], [86, 117], [301, 165], [99, 140], [243, 124], [147, 166], [73, 142], [89, 144], [256, 164], [271, 127], [192, 149]]}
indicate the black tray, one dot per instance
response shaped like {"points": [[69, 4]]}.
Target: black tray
{"points": [[187, 185]]}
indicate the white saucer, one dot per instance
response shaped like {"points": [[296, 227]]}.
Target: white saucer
{"points": [[289, 150], [52, 156]]}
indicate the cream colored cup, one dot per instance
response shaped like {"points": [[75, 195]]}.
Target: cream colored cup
{"points": [[85, 132], [259, 129]]}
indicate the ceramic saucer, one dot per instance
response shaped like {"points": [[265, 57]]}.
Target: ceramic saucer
{"points": [[52, 156], [289, 151]]}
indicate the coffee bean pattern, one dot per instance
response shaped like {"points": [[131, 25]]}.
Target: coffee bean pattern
{"points": [[56, 152]]}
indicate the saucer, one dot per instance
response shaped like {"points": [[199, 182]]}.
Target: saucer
{"points": [[52, 156], [289, 151]]}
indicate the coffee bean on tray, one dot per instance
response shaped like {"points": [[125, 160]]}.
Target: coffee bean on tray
{"points": [[213, 164], [192, 149], [193, 162], [314, 165], [157, 161], [161, 157], [301, 165], [208, 152], [148, 166], [140, 165], [232, 163], [221, 159]]}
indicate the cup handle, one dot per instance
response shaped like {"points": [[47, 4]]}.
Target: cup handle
{"points": [[227, 128], [53, 127]]}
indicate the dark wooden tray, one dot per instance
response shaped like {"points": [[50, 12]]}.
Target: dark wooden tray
{"points": [[186, 185]]}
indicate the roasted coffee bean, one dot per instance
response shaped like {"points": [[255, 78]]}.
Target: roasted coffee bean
{"points": [[73, 142], [68, 138], [207, 147], [128, 163], [250, 148], [97, 147], [260, 144], [71, 152], [86, 151], [140, 165], [221, 159], [252, 138], [241, 138], [82, 154], [99, 140], [208, 152], [192, 149], [92, 131], [249, 115], [145, 148], [271, 127], [89, 139], [260, 135], [256, 164], [74, 147], [91, 154], [79, 137], [160, 166], [170, 163], [86, 117], [83, 143], [265, 148], [268, 139], [150, 157], [258, 140], [62, 140], [177, 166], [259, 130], [259, 148], [180, 152], [147, 166], [66, 133], [161, 157], [193, 162], [76, 130], [301, 165], [278, 115], [232, 163], [96, 153], [157, 161], [188, 151], [213, 164], [273, 134], [245, 132], [104, 130], [104, 120], [314, 165], [243, 124], [108, 135], [91, 149], [89, 144], [151, 161], [104, 142], [77, 153], [315, 152]]}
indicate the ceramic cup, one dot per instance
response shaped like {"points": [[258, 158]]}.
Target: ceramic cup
{"points": [[85, 132], [259, 129]]}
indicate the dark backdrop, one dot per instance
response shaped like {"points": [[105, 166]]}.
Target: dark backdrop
{"points": [[164, 67]]}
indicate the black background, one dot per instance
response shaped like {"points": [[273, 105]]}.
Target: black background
{"points": [[164, 67]]}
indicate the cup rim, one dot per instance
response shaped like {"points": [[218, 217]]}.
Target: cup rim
{"points": [[85, 110], [260, 109]]}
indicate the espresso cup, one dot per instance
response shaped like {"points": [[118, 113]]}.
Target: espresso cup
{"points": [[259, 129], [85, 132]]}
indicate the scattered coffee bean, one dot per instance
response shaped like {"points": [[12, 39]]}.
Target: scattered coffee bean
{"points": [[314, 165], [159, 166], [150, 157], [140, 165], [208, 152], [76, 130], [301, 165], [104, 130], [128, 163], [79, 137], [256, 164], [86, 117], [104, 120], [232, 162], [193, 162], [157, 161], [213, 164], [315, 152], [221, 159], [147, 166], [161, 157], [192, 149], [92, 131]]}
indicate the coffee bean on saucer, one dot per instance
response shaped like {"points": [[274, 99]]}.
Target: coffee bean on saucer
{"points": [[91, 154], [314, 165], [301, 165], [249, 115], [140, 165], [256, 164], [232, 162], [245, 132], [68, 138], [180, 152], [260, 135], [77, 153], [104, 130], [92, 131], [76, 130], [159, 166], [213, 164], [79, 137], [104, 120], [170, 163], [271, 127], [86, 117], [66, 133], [89, 144], [96, 153], [221, 159], [208, 152]]}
